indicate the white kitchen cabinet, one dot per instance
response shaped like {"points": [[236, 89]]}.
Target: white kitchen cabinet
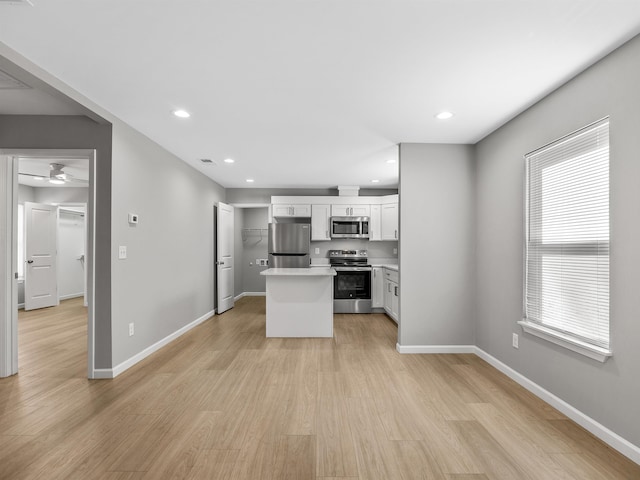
{"points": [[291, 210], [391, 293], [320, 215], [389, 221], [375, 225], [377, 287], [350, 210]]}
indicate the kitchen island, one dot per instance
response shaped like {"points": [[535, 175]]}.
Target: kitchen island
{"points": [[299, 302]]}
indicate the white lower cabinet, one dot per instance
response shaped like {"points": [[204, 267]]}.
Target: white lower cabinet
{"points": [[377, 287], [391, 293]]}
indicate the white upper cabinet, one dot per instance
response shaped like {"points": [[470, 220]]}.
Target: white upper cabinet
{"points": [[320, 215], [350, 210], [291, 210], [389, 221], [375, 225]]}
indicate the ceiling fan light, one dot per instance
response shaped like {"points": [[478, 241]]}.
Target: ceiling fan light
{"points": [[181, 113], [56, 181], [444, 115], [38, 178]]}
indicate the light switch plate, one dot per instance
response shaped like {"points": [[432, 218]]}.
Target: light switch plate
{"points": [[122, 252]]}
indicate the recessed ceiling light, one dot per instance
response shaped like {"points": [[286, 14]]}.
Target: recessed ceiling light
{"points": [[249, 180], [181, 113], [55, 181], [375, 181], [229, 160], [391, 160], [444, 115]]}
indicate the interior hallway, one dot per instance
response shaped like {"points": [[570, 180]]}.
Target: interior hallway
{"points": [[224, 402]]}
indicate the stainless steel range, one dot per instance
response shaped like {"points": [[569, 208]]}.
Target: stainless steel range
{"points": [[352, 283]]}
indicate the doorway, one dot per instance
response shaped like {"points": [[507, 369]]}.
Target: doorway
{"points": [[63, 180]]}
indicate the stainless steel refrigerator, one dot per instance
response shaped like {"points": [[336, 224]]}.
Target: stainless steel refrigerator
{"points": [[289, 245]]}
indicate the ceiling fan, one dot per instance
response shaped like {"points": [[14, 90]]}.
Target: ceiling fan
{"points": [[57, 176]]}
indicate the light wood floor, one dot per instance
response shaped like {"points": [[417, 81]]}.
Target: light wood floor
{"points": [[224, 402]]}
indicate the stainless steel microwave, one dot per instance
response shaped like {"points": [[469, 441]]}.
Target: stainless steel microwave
{"points": [[349, 227]]}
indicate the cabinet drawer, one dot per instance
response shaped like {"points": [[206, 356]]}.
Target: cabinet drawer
{"points": [[391, 275]]}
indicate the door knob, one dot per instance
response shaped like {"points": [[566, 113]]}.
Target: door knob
{"points": [[29, 261]]}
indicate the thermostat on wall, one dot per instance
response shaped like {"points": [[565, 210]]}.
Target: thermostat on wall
{"points": [[133, 218]]}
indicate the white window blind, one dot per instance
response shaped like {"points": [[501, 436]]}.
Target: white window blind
{"points": [[567, 236]]}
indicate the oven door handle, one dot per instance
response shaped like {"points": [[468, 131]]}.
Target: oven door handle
{"points": [[352, 269]]}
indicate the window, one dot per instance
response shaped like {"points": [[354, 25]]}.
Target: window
{"points": [[566, 296]]}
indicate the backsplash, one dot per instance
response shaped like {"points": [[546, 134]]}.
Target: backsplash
{"points": [[376, 250]]}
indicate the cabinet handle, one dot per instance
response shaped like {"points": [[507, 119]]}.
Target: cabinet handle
{"points": [[395, 291], [395, 234], [389, 287]]}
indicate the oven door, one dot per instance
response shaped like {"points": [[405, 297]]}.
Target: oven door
{"points": [[352, 290], [352, 283]]}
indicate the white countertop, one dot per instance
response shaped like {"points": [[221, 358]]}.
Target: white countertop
{"points": [[300, 272], [390, 266]]}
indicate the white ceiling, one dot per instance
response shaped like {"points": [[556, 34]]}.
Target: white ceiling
{"points": [[305, 93]]}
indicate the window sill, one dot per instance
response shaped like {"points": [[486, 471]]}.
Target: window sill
{"points": [[596, 353]]}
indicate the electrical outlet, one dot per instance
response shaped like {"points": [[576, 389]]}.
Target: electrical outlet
{"points": [[395, 251], [122, 252], [131, 331], [317, 250], [515, 340]]}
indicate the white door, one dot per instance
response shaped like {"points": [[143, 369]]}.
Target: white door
{"points": [[224, 265], [40, 272]]}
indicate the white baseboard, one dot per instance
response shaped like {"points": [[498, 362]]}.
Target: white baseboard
{"points": [[71, 295], [118, 369], [435, 348], [62, 297], [611, 438], [250, 294]]}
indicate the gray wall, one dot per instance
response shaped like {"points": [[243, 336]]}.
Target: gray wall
{"points": [[61, 195], [167, 281], [609, 392], [26, 194], [70, 132], [437, 253]]}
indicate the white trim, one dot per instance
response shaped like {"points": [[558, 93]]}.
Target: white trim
{"points": [[250, 294], [20, 306], [71, 295], [611, 438], [250, 205], [596, 353], [118, 369], [435, 348]]}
